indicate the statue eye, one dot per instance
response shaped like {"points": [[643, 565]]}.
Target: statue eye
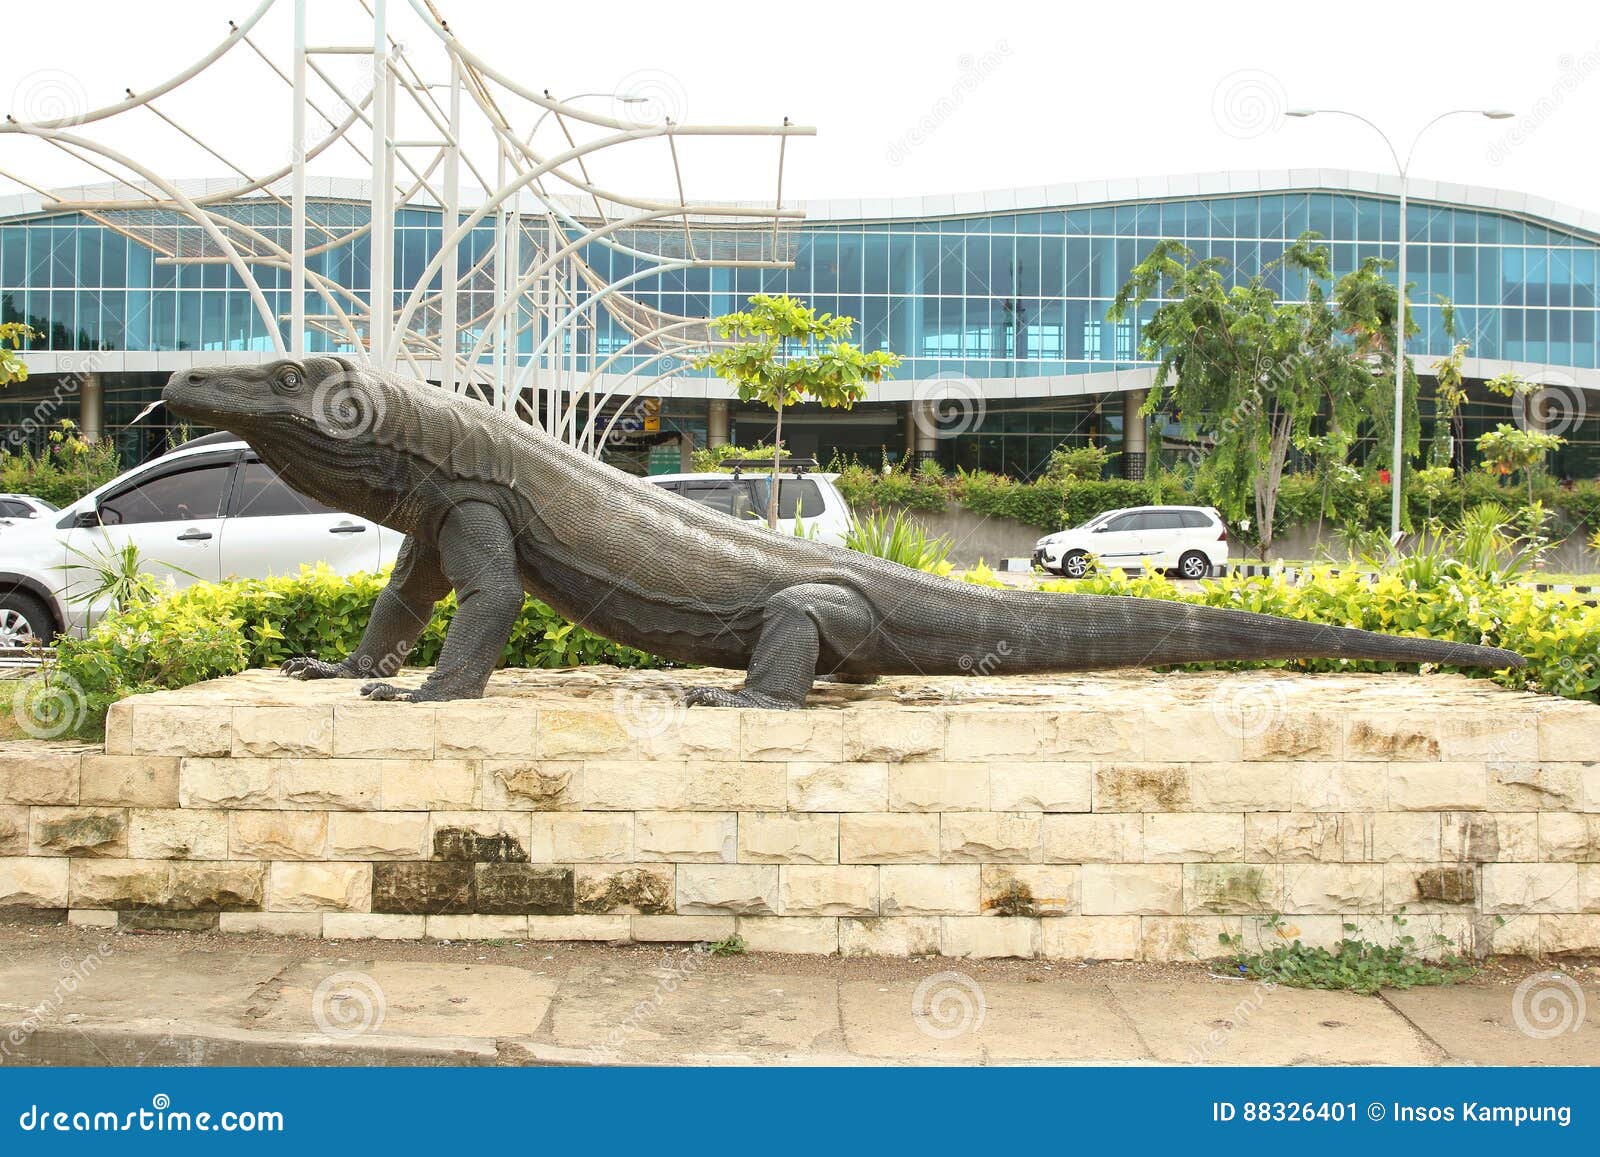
{"points": [[290, 380]]}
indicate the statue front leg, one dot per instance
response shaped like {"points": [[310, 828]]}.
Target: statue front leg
{"points": [[399, 617]]}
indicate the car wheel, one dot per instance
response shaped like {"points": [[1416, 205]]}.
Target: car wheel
{"points": [[1194, 565], [1076, 564], [24, 620]]}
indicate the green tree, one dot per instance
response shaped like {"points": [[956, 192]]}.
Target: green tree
{"points": [[1258, 373], [1507, 448], [789, 353], [12, 367]]}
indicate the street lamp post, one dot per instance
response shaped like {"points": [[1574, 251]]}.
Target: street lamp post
{"points": [[1402, 168]]}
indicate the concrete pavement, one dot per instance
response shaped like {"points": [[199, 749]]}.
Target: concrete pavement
{"points": [[97, 996]]}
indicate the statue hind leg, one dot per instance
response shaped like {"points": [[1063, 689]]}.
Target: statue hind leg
{"points": [[795, 623]]}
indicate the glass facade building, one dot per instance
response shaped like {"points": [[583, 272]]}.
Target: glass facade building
{"points": [[1015, 300]]}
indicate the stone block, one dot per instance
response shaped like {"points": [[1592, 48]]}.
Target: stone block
{"points": [[1294, 837], [1141, 787], [1512, 888], [14, 830], [1400, 836], [117, 883], [1525, 787], [683, 929], [1029, 889], [532, 784], [632, 889], [906, 733], [429, 785], [277, 835], [1566, 836], [914, 936], [477, 927], [523, 890], [815, 736], [146, 781], [582, 837], [838, 787], [92, 918], [180, 729], [1090, 938], [796, 934], [611, 929], [1294, 735], [888, 838], [311, 886], [1438, 786], [995, 734], [1093, 734], [273, 729], [384, 730], [686, 837], [1183, 837], [991, 837], [171, 834], [167, 920], [1100, 838], [1180, 939], [377, 836], [1241, 787], [1224, 888], [1333, 888], [727, 889], [330, 784], [1132, 889], [39, 774], [788, 838], [422, 888], [938, 787], [1421, 888], [79, 831], [828, 890], [1200, 733], [1566, 934], [34, 882], [1488, 837], [1568, 731], [492, 728], [211, 886], [989, 937], [930, 889], [1402, 736], [1040, 787], [481, 837], [691, 785], [228, 784], [372, 926], [272, 923], [1504, 735], [1349, 786]]}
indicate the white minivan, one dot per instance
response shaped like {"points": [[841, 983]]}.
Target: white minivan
{"points": [[1191, 540], [811, 498]]}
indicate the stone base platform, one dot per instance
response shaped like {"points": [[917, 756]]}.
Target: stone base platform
{"points": [[1129, 816]]}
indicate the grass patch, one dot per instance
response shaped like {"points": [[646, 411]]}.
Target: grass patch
{"points": [[1358, 966]]}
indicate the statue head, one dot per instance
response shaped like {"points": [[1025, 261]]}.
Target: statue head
{"points": [[318, 399]]}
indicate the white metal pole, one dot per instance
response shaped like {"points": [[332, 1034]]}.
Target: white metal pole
{"points": [[500, 286], [297, 191], [1399, 374], [449, 341], [382, 291]]}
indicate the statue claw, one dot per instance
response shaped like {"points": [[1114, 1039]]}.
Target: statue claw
{"points": [[388, 692], [722, 697], [308, 667]]}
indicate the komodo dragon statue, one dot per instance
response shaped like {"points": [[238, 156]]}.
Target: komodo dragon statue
{"points": [[494, 509]]}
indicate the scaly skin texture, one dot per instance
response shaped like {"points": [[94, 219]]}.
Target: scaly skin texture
{"points": [[493, 509]]}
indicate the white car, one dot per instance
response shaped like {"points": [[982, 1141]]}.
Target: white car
{"points": [[208, 510], [1192, 540], [822, 512], [19, 506]]}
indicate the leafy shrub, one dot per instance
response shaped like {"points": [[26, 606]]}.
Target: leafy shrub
{"points": [[1359, 966], [1086, 462], [708, 458], [213, 629], [898, 539], [64, 471]]}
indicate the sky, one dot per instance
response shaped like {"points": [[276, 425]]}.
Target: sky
{"points": [[907, 99]]}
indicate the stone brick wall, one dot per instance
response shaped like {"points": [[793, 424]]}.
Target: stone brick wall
{"points": [[1133, 816]]}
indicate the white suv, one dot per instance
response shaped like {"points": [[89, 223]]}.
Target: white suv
{"points": [[208, 510], [1192, 540], [821, 510]]}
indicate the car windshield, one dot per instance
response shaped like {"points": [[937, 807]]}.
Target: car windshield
{"points": [[1097, 520]]}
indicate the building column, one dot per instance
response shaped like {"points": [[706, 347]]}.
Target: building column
{"points": [[923, 437], [910, 430], [717, 422], [91, 407], [1133, 434], [685, 454]]}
